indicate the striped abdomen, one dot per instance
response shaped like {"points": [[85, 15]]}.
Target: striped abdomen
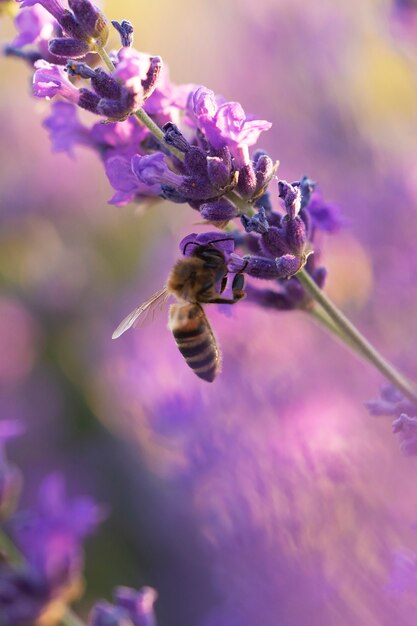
{"points": [[195, 339]]}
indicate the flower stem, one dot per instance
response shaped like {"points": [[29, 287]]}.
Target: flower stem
{"points": [[147, 121], [320, 316], [105, 57], [348, 332], [241, 204], [11, 554]]}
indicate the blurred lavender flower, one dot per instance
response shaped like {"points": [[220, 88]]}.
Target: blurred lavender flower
{"points": [[129, 607], [393, 403], [50, 538]]}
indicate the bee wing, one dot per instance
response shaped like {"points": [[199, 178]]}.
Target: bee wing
{"points": [[151, 307]]}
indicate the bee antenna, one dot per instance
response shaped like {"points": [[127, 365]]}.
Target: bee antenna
{"points": [[194, 243], [208, 243]]}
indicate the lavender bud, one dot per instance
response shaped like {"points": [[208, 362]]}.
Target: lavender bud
{"points": [[125, 30], [195, 188], [117, 110], [258, 223], [91, 20], [75, 68], [237, 263], [88, 100], [274, 243], [218, 172], [174, 137], [264, 170], [246, 183], [261, 267], [196, 162], [105, 86], [295, 234], [291, 196], [68, 47], [152, 75], [218, 211], [288, 265]]}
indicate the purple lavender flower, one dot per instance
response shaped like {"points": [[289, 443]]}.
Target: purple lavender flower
{"points": [[393, 403], [50, 540], [84, 26], [35, 25], [51, 80], [324, 215], [129, 607], [226, 125], [127, 185]]}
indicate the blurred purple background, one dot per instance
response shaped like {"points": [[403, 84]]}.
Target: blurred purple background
{"points": [[269, 497]]}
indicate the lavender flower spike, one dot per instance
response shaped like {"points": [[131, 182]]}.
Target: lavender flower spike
{"points": [[291, 195]]}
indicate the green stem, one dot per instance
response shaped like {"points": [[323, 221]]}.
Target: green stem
{"points": [[11, 554], [352, 334], [144, 119], [105, 57], [241, 204], [320, 316]]}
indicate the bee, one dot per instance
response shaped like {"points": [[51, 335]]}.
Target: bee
{"points": [[195, 280]]}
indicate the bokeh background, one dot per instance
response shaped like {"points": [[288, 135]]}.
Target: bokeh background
{"points": [[269, 498]]}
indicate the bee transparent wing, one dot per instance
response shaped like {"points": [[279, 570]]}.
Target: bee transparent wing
{"points": [[148, 309]]}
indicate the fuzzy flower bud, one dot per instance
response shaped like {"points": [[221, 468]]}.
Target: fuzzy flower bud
{"points": [[219, 169], [247, 181], [258, 223], [125, 30], [174, 137], [295, 234], [261, 267], [84, 26], [291, 196], [218, 211], [265, 168]]}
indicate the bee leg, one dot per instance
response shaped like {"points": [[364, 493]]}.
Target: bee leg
{"points": [[237, 287], [224, 283]]}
